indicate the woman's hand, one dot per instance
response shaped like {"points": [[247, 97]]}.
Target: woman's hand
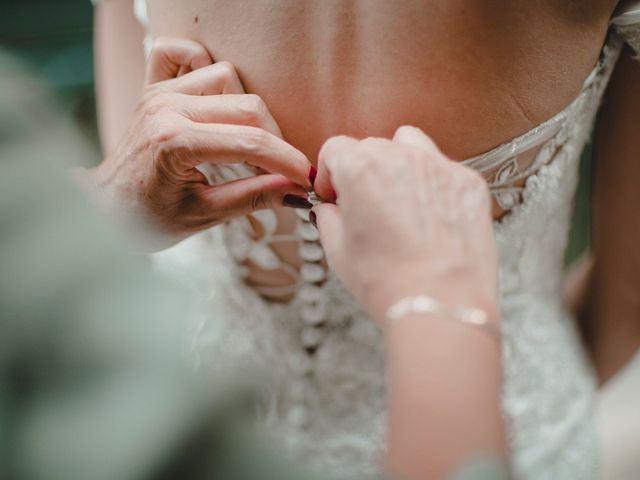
{"points": [[202, 116], [408, 221]]}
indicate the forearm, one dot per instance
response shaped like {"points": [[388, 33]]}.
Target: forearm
{"points": [[444, 407], [614, 309], [120, 66]]}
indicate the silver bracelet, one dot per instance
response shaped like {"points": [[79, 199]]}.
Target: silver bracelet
{"points": [[423, 304]]}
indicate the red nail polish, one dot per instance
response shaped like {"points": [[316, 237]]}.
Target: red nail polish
{"points": [[295, 201], [313, 219], [313, 172]]}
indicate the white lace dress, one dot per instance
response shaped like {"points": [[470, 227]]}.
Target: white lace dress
{"points": [[325, 358]]}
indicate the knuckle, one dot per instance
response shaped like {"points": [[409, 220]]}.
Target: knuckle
{"points": [[406, 129], [252, 108], [256, 141], [168, 135], [226, 70], [335, 142], [147, 97], [334, 148], [160, 104], [153, 100], [373, 149], [372, 143], [160, 44]]}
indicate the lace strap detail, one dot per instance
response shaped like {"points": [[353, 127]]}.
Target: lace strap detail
{"points": [[506, 164], [626, 21]]}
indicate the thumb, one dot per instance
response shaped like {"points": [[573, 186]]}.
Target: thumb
{"points": [[329, 221], [174, 57]]}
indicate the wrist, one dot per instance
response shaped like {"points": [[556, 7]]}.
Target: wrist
{"points": [[457, 288]]}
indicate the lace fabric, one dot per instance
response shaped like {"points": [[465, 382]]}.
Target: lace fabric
{"points": [[326, 399]]}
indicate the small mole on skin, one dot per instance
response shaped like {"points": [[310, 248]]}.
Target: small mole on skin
{"points": [[196, 19]]}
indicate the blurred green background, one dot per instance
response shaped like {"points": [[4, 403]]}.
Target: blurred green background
{"points": [[55, 39]]}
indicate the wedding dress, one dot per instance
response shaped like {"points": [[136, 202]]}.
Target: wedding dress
{"points": [[325, 359]]}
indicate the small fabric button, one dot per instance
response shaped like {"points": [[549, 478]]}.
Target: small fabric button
{"points": [[308, 232], [311, 337], [303, 214], [311, 252], [300, 363], [311, 293], [312, 273], [298, 416], [313, 313]]}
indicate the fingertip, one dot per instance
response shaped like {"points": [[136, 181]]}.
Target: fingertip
{"points": [[324, 190], [335, 143], [322, 185], [406, 130], [328, 222], [333, 150], [413, 136]]}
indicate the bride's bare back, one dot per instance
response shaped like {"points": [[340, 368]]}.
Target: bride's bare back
{"points": [[471, 73]]}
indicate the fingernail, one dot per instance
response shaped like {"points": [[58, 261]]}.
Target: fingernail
{"points": [[313, 219], [313, 172], [295, 201]]}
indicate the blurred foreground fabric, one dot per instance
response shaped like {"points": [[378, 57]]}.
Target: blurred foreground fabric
{"points": [[94, 379], [55, 38]]}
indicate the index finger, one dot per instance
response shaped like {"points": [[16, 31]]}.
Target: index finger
{"points": [[333, 152], [223, 144]]}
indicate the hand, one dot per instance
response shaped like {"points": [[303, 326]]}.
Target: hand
{"points": [[203, 116], [408, 221]]}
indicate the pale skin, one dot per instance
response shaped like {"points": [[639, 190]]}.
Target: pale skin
{"points": [[314, 64]]}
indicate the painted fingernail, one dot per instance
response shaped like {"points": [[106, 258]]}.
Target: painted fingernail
{"points": [[313, 219], [295, 201], [313, 172]]}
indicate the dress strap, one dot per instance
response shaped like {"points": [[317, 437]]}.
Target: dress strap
{"points": [[626, 21], [627, 13]]}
